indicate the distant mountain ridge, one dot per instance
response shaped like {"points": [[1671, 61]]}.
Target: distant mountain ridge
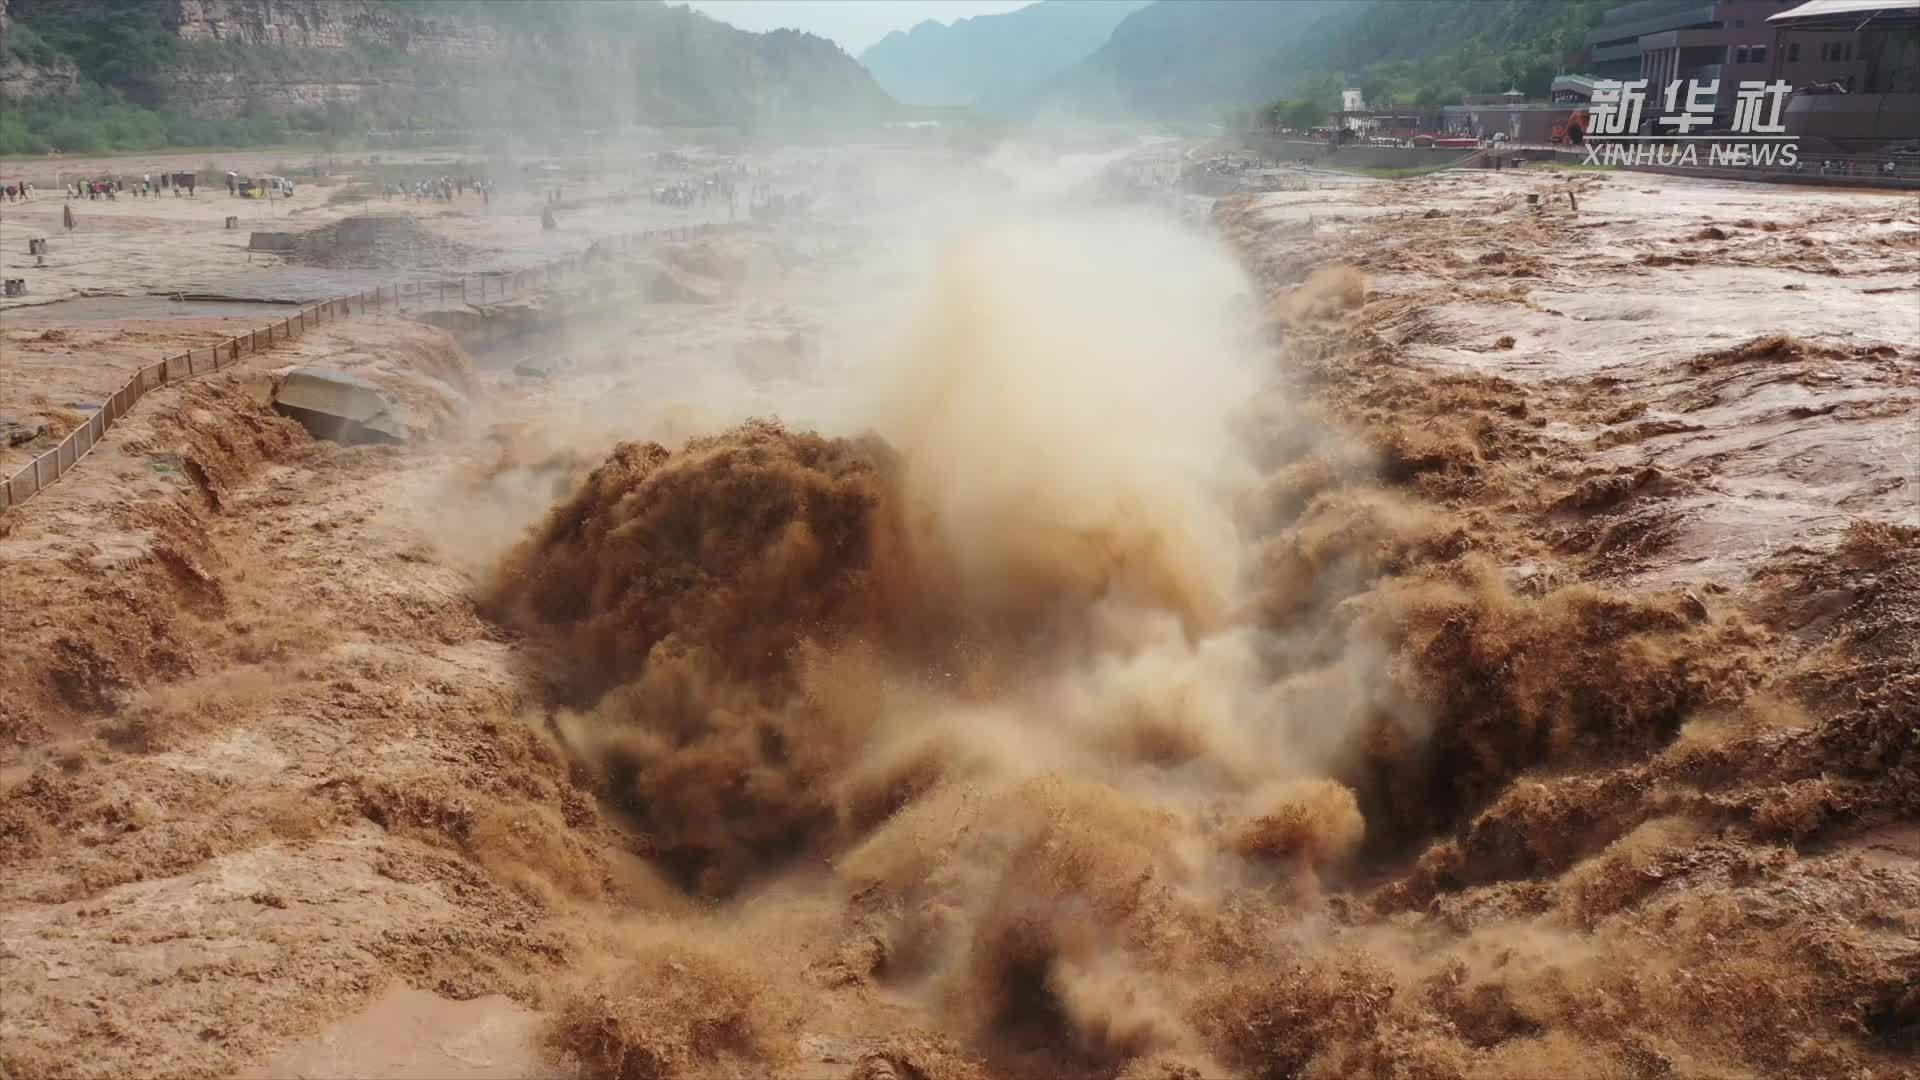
{"points": [[1190, 59], [1195, 57], [992, 57]]}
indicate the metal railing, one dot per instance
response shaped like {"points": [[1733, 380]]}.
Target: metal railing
{"points": [[37, 475]]}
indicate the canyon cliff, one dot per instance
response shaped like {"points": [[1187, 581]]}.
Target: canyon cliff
{"points": [[27, 71], [425, 63]]}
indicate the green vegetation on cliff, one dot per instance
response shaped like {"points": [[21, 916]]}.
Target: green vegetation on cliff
{"points": [[114, 43], [93, 120], [1202, 57], [122, 48], [22, 45], [1473, 47], [1434, 52], [1198, 57]]}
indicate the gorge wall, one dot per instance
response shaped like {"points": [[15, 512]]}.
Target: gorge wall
{"points": [[24, 75], [415, 63]]}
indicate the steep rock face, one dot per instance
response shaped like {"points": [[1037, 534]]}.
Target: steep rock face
{"points": [[22, 78], [491, 62], [19, 80], [425, 31], [224, 93]]}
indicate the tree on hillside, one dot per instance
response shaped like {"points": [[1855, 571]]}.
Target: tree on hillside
{"points": [[1428, 53], [117, 43], [1299, 114]]}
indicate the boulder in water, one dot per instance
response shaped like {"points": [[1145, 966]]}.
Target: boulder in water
{"points": [[335, 405]]}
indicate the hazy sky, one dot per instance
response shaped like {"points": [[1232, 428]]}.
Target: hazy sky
{"points": [[851, 24]]}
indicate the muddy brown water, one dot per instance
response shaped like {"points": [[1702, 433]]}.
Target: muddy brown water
{"points": [[379, 782], [410, 1034]]}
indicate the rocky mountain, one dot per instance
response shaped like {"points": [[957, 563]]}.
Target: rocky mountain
{"points": [[992, 57], [1184, 58], [389, 63], [29, 69]]}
